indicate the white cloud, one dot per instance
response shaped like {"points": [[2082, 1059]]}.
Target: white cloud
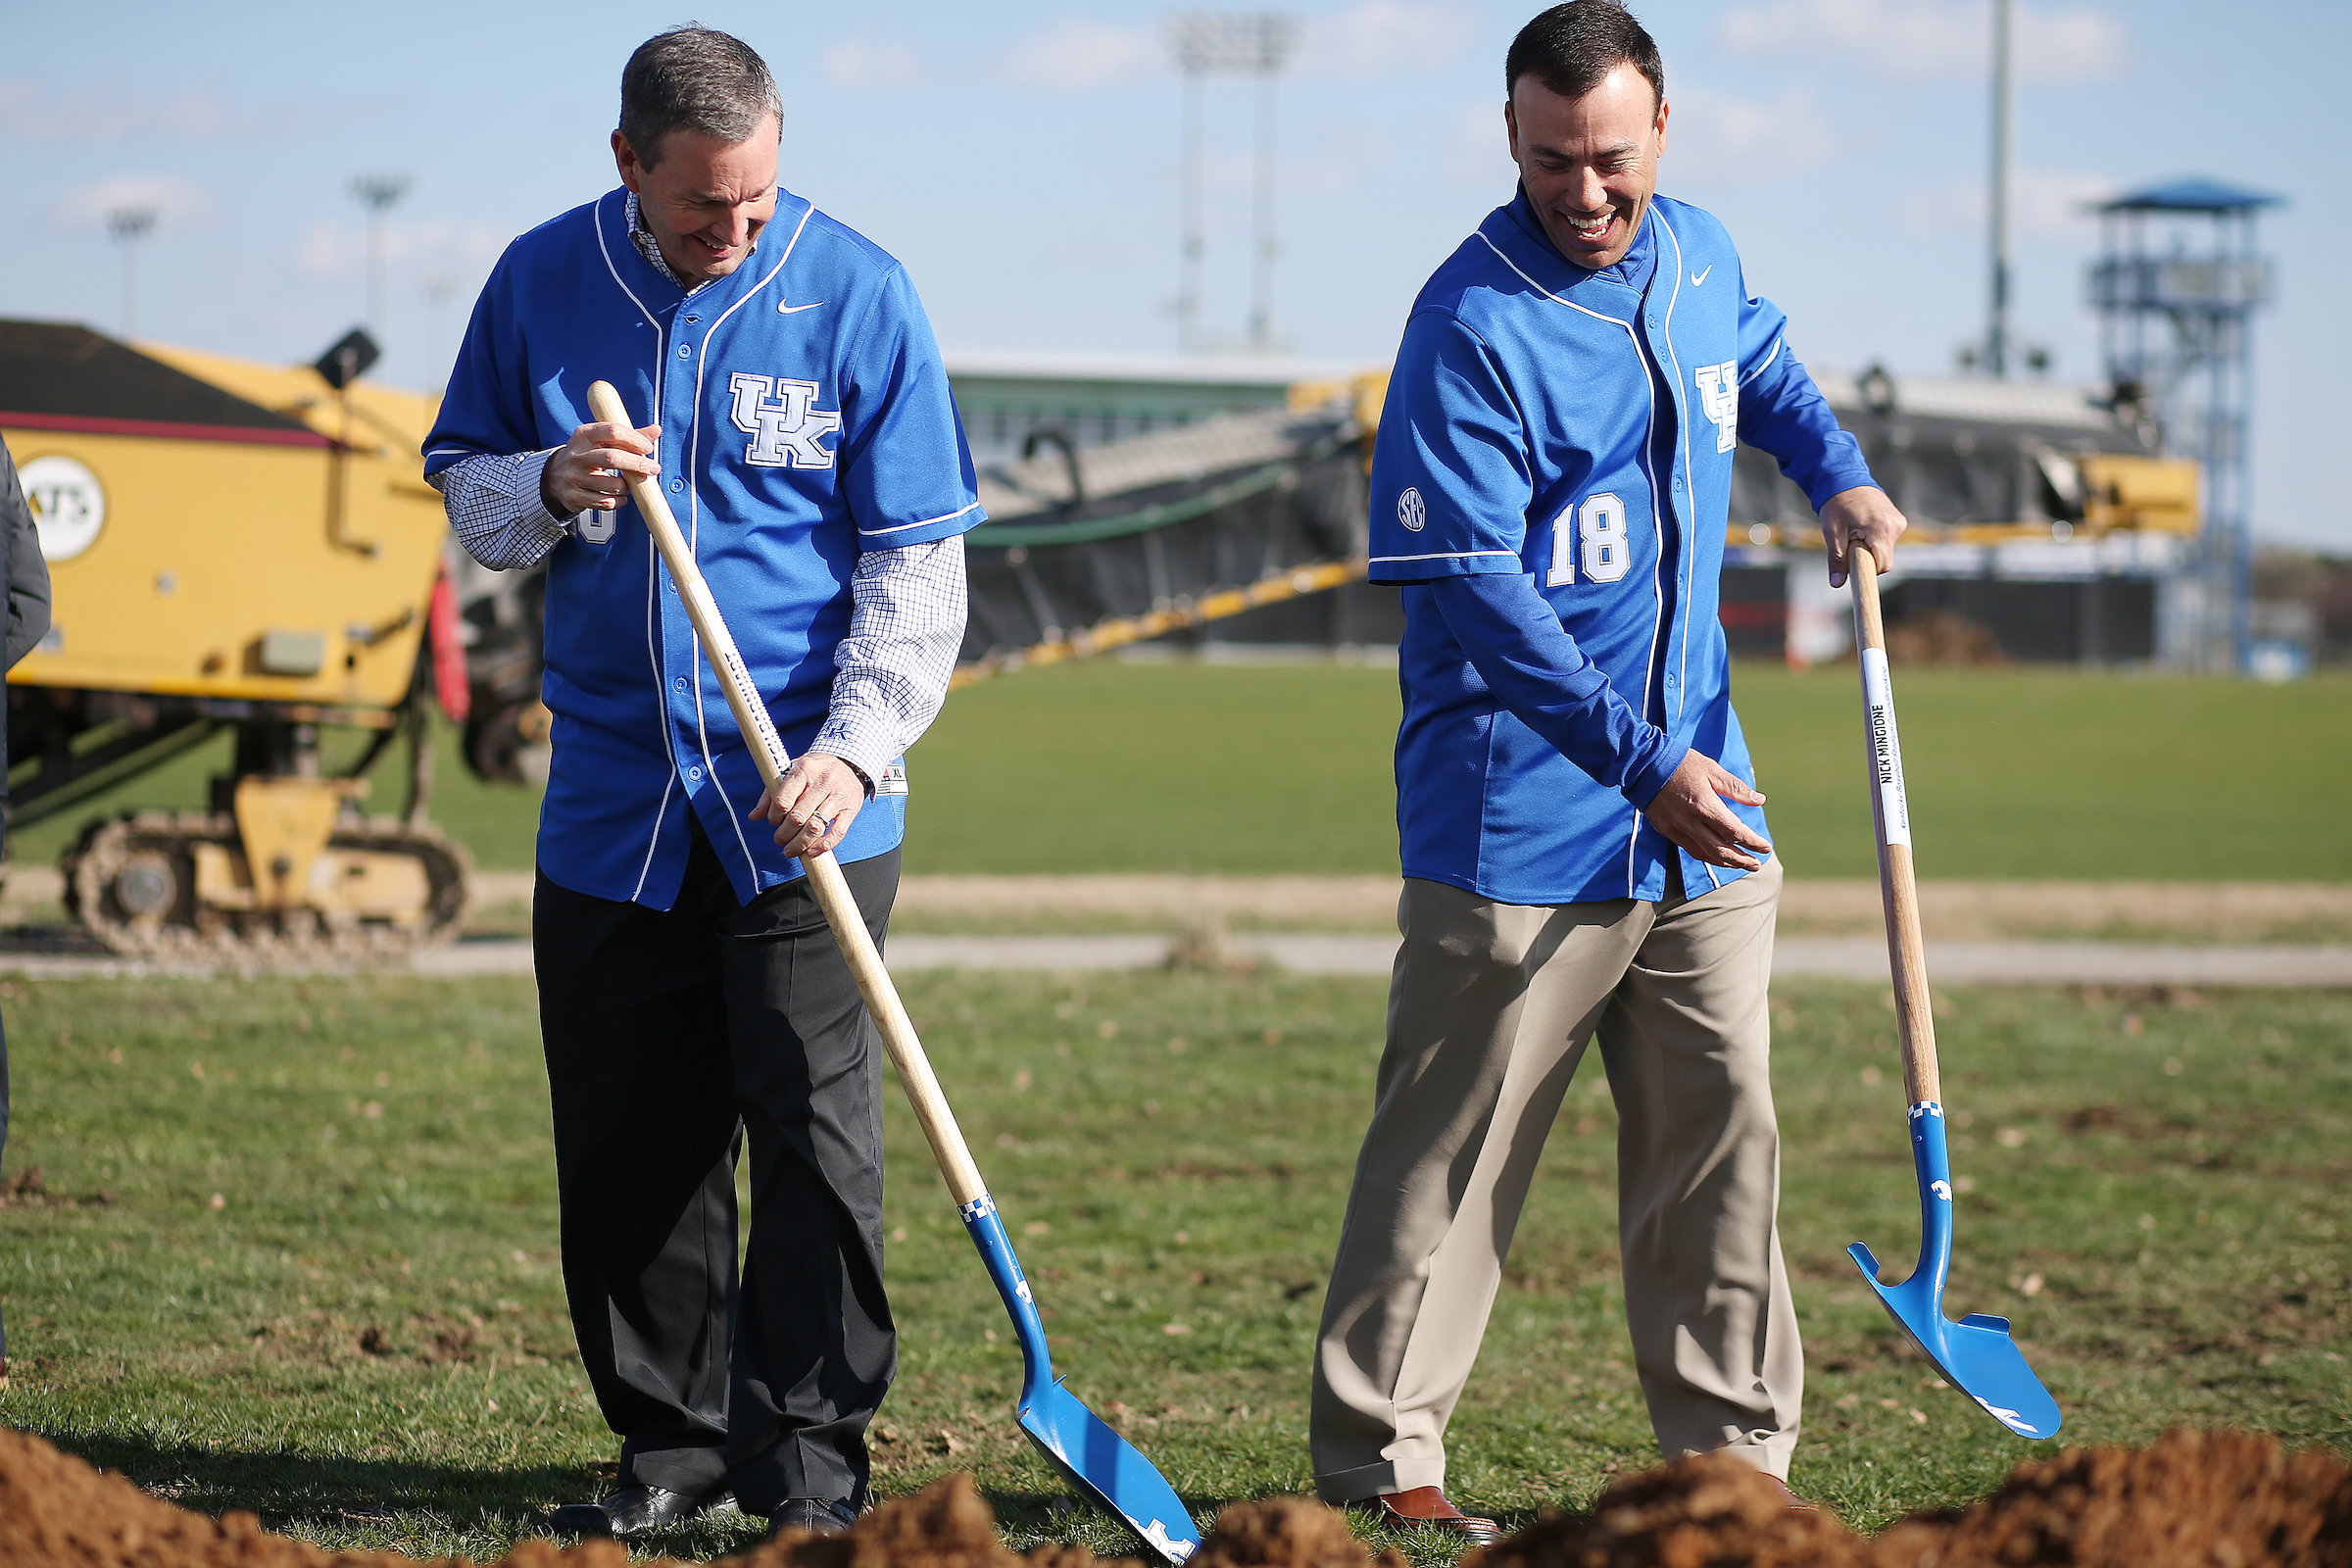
{"points": [[1932, 39], [865, 65], [1075, 55], [1381, 37], [175, 201], [2044, 204], [1710, 134], [107, 110], [338, 249]]}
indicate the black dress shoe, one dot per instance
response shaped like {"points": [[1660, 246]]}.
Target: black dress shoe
{"points": [[635, 1512], [816, 1515]]}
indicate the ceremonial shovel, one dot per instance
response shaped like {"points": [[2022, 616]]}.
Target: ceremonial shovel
{"points": [[1975, 1355], [1091, 1456]]}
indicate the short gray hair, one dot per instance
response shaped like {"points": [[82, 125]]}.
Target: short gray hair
{"points": [[694, 78]]}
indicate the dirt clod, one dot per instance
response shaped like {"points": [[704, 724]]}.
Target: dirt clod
{"points": [[1286, 1533], [1711, 1513]]}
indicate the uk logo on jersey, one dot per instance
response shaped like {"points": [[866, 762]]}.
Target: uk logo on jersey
{"points": [[1719, 400], [783, 421]]}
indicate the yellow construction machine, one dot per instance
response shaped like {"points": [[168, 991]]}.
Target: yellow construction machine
{"points": [[243, 547]]}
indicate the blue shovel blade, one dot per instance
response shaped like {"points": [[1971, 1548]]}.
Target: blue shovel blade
{"points": [[1104, 1467], [1975, 1355]]}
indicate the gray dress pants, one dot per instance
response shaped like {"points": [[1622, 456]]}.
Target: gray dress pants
{"points": [[1490, 1012]]}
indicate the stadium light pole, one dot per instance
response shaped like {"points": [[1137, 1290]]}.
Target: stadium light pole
{"points": [[439, 290], [129, 225], [377, 193], [1240, 43], [1996, 329]]}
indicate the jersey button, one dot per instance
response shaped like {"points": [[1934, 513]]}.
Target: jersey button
{"points": [[681, 683], [678, 486], [694, 772], [685, 352]]}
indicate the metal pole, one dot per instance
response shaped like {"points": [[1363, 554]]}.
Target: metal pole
{"points": [[1195, 233], [438, 290], [1996, 334], [1262, 280], [377, 192], [129, 225]]}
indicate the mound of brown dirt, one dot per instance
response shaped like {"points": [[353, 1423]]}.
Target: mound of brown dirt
{"points": [[946, 1524], [2193, 1500], [57, 1512], [2215, 1499], [1708, 1512], [2212, 1499], [1286, 1533]]}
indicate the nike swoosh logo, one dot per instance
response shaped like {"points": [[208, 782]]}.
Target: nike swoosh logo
{"points": [[1697, 278], [783, 309]]}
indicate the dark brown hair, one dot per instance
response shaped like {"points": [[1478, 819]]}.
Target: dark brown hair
{"points": [[1572, 47]]}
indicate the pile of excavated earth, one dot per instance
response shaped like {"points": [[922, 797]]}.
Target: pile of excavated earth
{"points": [[2194, 1500]]}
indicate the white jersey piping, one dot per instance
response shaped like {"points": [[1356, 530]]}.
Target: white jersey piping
{"points": [[922, 522], [1777, 344], [1682, 437], [1448, 554]]}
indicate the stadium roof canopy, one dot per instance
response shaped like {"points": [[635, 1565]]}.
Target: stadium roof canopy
{"points": [[2192, 194]]}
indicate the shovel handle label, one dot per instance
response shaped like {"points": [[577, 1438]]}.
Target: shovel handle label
{"points": [[1885, 749]]}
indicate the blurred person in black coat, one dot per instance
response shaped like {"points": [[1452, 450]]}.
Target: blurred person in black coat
{"points": [[27, 577]]}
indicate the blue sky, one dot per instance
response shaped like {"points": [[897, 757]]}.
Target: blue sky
{"points": [[1022, 161]]}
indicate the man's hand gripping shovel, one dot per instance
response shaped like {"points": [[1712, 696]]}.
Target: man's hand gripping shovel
{"points": [[1975, 1355], [1089, 1455]]}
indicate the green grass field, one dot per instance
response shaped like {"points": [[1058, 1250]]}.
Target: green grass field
{"points": [[293, 1250], [1189, 767]]}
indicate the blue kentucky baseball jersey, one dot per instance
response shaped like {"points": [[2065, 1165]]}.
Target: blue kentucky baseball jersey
{"points": [[1578, 427], [804, 418]]}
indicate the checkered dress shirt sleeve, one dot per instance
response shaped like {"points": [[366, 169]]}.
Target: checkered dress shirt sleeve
{"points": [[892, 670], [494, 506]]}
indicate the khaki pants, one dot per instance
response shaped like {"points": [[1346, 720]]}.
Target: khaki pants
{"points": [[1488, 1015]]}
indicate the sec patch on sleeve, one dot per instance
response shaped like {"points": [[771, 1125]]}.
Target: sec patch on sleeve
{"points": [[1411, 510]]}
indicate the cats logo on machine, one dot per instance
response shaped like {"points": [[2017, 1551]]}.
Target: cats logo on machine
{"points": [[783, 421], [69, 505]]}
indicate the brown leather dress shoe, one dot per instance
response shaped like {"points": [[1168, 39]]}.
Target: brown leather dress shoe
{"points": [[1796, 1504], [1427, 1508]]}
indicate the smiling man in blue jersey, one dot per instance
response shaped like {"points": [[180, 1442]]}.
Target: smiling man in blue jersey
{"points": [[1583, 845], [692, 1000]]}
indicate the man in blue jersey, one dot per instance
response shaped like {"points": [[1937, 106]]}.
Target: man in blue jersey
{"points": [[1583, 841], [691, 998]]}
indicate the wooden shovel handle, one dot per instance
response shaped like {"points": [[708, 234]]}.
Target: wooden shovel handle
{"points": [[1898, 887], [832, 891]]}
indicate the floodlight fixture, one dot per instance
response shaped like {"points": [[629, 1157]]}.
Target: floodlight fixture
{"points": [[1229, 44]]}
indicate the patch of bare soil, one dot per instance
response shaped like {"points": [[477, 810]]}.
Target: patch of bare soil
{"points": [[2208, 1499], [1950, 910], [2142, 912]]}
